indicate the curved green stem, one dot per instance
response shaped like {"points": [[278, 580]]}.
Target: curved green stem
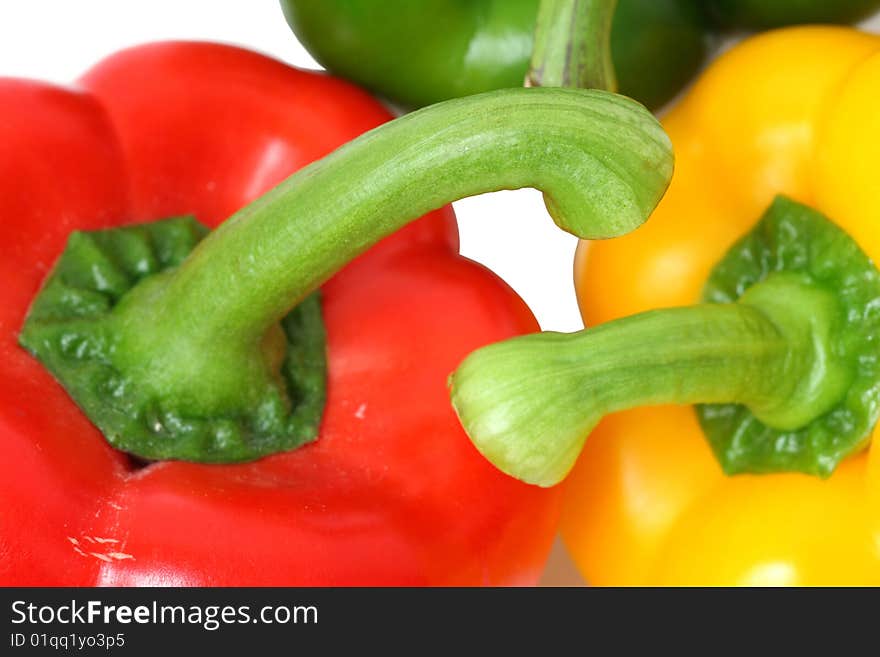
{"points": [[573, 45], [202, 340], [529, 403], [602, 162]]}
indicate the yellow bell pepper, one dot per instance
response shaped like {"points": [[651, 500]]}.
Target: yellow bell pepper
{"points": [[794, 112]]}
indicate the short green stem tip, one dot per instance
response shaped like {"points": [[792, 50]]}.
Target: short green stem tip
{"points": [[184, 362], [573, 45], [782, 358]]}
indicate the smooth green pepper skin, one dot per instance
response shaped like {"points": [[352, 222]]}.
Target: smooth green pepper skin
{"points": [[766, 14], [419, 53]]}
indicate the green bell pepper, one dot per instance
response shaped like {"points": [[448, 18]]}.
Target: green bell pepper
{"points": [[419, 52]]}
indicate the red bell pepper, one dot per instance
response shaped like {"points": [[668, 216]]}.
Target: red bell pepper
{"points": [[391, 493]]}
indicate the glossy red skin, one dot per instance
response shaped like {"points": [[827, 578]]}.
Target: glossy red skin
{"points": [[392, 492]]}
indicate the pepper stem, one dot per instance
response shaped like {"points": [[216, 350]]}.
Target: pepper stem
{"points": [[573, 45], [602, 162], [530, 402], [200, 344]]}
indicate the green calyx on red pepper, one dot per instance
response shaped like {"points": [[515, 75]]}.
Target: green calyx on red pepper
{"points": [[781, 355], [418, 53], [77, 327], [178, 356]]}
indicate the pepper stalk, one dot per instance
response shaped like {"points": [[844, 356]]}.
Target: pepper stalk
{"points": [[196, 356], [572, 45], [782, 356]]}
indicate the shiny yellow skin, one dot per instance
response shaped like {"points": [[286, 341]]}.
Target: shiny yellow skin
{"points": [[796, 111]]}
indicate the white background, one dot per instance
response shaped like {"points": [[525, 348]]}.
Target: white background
{"points": [[508, 231]]}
